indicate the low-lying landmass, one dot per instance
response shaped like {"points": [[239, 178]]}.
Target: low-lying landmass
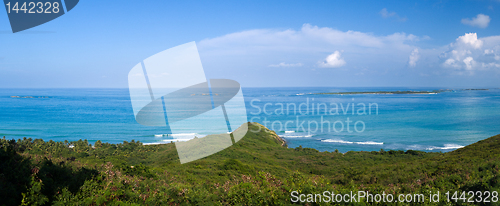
{"points": [[477, 89], [28, 97], [257, 170], [400, 92], [386, 92]]}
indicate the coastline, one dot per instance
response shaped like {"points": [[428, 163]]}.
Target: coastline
{"points": [[135, 173], [399, 92]]}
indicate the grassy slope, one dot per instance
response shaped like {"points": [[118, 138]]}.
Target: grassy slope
{"points": [[256, 170]]}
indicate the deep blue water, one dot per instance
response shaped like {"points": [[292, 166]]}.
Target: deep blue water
{"points": [[429, 122]]}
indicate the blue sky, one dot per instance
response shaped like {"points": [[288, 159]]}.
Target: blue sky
{"points": [[264, 43]]}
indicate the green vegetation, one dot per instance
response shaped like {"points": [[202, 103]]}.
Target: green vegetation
{"points": [[257, 170]]}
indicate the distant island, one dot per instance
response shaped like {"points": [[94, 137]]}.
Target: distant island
{"points": [[398, 92], [475, 89], [27, 97]]}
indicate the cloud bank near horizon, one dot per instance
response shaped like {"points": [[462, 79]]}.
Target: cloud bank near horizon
{"points": [[351, 53], [309, 45]]}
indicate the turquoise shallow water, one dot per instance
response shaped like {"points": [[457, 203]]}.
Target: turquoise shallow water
{"points": [[428, 122]]}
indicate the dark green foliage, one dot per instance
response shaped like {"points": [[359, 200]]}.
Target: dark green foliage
{"points": [[35, 180], [138, 170], [257, 170], [15, 173]]}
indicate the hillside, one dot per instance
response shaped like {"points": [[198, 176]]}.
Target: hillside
{"points": [[259, 169]]}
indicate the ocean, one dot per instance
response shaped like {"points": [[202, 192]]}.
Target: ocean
{"points": [[362, 122]]}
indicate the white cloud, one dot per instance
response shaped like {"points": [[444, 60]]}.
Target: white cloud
{"points": [[246, 53], [469, 61], [256, 48], [386, 14], [469, 54], [283, 64], [308, 39], [470, 39], [333, 60], [480, 21], [414, 56]]}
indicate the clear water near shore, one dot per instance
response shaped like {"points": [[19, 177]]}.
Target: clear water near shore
{"points": [[428, 122]]}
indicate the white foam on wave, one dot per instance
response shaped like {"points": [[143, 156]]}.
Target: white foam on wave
{"points": [[446, 146], [347, 142], [181, 135], [289, 132], [294, 136], [176, 140], [153, 143], [337, 141], [370, 143], [167, 141]]}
